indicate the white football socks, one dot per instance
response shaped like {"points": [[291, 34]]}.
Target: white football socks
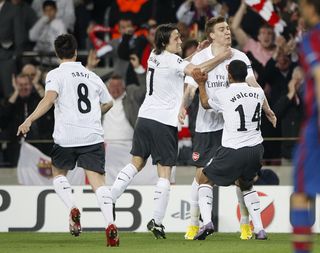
{"points": [[63, 189], [242, 206], [122, 181], [252, 202], [194, 204], [161, 199], [105, 202], [205, 202]]}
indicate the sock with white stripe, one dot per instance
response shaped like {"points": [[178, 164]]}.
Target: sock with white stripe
{"points": [[63, 189], [161, 199], [205, 202], [122, 181], [105, 202], [194, 204], [252, 202], [242, 206]]}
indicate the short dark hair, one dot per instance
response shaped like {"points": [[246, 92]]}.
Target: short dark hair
{"points": [[209, 27], [316, 5], [189, 43], [49, 3], [238, 70], [65, 46], [162, 36]]}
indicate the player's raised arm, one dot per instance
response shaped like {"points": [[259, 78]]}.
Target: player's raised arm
{"points": [[44, 105], [201, 78]]}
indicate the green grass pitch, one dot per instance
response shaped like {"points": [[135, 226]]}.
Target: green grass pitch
{"points": [[94, 242]]}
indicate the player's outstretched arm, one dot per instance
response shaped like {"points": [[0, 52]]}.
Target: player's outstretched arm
{"points": [[201, 78], [44, 105], [210, 64]]}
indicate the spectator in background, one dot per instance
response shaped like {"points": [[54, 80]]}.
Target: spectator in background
{"points": [[47, 28], [119, 123], [261, 49], [11, 44], [29, 18], [289, 111], [195, 13], [34, 75], [120, 60], [15, 110], [65, 11]]}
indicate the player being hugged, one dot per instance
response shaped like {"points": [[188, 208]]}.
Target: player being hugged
{"points": [[239, 158]]}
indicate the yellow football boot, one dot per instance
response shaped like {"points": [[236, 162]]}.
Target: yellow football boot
{"points": [[191, 232], [246, 233]]}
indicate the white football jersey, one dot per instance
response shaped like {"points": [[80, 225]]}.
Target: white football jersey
{"points": [[240, 106], [164, 88], [77, 109], [207, 120]]}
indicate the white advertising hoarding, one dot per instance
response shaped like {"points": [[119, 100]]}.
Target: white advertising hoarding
{"points": [[38, 208]]}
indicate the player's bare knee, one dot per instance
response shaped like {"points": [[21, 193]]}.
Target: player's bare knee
{"points": [[138, 162], [203, 179], [300, 200]]}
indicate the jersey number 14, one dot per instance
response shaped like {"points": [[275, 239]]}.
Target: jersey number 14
{"points": [[255, 118]]}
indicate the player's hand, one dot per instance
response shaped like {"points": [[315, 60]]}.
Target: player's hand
{"points": [[24, 128], [199, 77], [182, 115], [203, 44], [226, 54], [271, 117]]}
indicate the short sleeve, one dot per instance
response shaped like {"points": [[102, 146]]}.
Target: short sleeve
{"points": [[104, 95], [246, 60], [176, 62], [215, 102], [52, 82]]}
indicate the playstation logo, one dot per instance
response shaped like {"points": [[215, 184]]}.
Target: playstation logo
{"points": [[184, 213]]}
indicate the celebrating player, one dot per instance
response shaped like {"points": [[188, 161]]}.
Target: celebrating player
{"points": [[79, 97]]}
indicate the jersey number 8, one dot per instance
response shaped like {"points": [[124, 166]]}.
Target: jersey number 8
{"points": [[83, 100]]}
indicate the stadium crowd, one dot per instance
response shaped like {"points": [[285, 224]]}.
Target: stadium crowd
{"points": [[117, 37]]}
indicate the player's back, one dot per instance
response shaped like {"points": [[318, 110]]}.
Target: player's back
{"points": [[241, 107], [77, 108], [164, 88]]}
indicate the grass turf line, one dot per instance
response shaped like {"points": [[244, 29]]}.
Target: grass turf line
{"points": [[94, 242]]}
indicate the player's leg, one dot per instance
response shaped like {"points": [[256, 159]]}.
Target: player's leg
{"points": [[92, 159], [252, 202], [64, 159], [140, 152], [302, 219], [161, 199], [193, 228], [126, 175], [164, 153], [104, 198], [245, 228], [205, 205]]}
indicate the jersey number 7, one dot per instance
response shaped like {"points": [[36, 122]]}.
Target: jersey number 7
{"points": [[255, 118], [151, 81]]}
